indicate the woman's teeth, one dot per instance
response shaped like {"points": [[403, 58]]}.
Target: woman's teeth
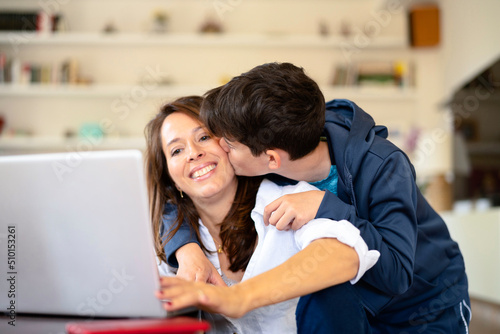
{"points": [[202, 171]]}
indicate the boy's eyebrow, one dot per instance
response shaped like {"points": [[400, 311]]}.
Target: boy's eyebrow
{"points": [[174, 140], [229, 142]]}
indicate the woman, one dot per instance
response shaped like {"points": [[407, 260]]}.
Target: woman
{"points": [[237, 241], [186, 167]]}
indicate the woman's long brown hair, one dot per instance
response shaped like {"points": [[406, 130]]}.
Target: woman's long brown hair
{"points": [[237, 232]]}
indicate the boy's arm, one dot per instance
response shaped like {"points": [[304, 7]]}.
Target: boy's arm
{"points": [[294, 210], [183, 236], [195, 266], [183, 251], [392, 228], [334, 261]]}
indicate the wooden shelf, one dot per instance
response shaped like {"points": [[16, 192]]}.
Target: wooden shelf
{"points": [[38, 143], [481, 94], [94, 90], [357, 93], [42, 95], [195, 40], [484, 148], [112, 91]]}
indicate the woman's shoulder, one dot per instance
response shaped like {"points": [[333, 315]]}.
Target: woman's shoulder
{"points": [[270, 191], [280, 190]]}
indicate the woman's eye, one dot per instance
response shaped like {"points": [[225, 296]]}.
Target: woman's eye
{"points": [[176, 151], [205, 137]]}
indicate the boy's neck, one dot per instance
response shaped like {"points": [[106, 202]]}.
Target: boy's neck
{"points": [[313, 167]]}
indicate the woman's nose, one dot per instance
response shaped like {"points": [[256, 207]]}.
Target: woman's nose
{"points": [[193, 157], [195, 153]]}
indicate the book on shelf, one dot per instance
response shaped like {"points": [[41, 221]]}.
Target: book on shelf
{"points": [[40, 21], [3, 61], [18, 21], [374, 74], [69, 72], [15, 71], [340, 76]]}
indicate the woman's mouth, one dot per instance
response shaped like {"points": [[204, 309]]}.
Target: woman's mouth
{"points": [[203, 171]]}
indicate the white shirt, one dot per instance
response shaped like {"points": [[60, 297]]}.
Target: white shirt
{"points": [[275, 247]]}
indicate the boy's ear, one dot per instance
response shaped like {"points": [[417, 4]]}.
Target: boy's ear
{"points": [[273, 159]]}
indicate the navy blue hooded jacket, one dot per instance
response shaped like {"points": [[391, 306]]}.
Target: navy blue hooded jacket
{"points": [[420, 269]]}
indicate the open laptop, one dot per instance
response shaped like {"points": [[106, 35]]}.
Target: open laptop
{"points": [[75, 236]]}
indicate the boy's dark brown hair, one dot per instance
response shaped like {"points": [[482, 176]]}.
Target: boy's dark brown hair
{"points": [[272, 106]]}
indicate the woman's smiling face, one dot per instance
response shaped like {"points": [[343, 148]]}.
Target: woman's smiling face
{"points": [[196, 162]]}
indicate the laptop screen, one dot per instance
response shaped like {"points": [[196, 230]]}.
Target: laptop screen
{"points": [[76, 237]]}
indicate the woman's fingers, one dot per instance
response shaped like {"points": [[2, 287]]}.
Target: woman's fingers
{"points": [[178, 293]]}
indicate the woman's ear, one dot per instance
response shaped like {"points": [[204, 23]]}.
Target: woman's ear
{"points": [[273, 159]]}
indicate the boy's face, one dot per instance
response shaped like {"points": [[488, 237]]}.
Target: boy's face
{"points": [[244, 163]]}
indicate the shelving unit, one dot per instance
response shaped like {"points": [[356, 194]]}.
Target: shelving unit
{"points": [[194, 62], [92, 90], [193, 39], [484, 148], [110, 91], [30, 144], [54, 143], [43, 92]]}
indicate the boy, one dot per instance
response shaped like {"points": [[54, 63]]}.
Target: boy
{"points": [[272, 119]]}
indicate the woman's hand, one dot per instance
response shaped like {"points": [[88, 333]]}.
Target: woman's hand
{"points": [[195, 266], [179, 293]]}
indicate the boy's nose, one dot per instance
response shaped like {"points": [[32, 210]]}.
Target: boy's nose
{"points": [[224, 145]]}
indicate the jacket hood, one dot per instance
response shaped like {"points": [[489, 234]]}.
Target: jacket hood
{"points": [[354, 132]]}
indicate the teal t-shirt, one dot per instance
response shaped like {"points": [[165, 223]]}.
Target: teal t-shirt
{"points": [[330, 183]]}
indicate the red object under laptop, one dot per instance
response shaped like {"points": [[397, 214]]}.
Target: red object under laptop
{"points": [[181, 325]]}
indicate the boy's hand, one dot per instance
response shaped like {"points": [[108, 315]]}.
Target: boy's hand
{"points": [[293, 210], [195, 266]]}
